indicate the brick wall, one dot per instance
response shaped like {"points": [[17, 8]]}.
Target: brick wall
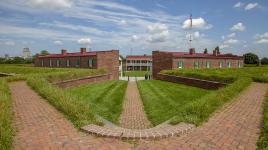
{"points": [[191, 81], [85, 80], [102, 60], [161, 61], [109, 60], [189, 62]]}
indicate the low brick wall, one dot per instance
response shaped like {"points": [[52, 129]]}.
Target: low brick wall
{"points": [[191, 81], [84, 80]]}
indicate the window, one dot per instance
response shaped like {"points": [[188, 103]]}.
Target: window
{"points": [[208, 64], [78, 63], [196, 64], [58, 63], [50, 63], [229, 64], [67, 62], [180, 64], [42, 63], [221, 64], [90, 63], [239, 64]]}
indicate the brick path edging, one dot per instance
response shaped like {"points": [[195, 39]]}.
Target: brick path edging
{"points": [[158, 132]]}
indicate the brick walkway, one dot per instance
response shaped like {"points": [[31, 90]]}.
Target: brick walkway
{"points": [[41, 126], [235, 126], [133, 115]]}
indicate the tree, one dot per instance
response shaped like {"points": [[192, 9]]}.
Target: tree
{"points": [[217, 49], [44, 52], [251, 58], [205, 51], [264, 61]]}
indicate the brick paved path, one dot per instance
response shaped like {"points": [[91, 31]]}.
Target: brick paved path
{"points": [[133, 115], [40, 126], [235, 126]]}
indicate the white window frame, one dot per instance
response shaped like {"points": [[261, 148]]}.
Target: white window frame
{"points": [[68, 62], [42, 63], [90, 63], [229, 64], [50, 63], [208, 64], [180, 64], [58, 62]]}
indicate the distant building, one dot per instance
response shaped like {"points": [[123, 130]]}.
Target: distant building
{"points": [[93, 60], [138, 62], [163, 60], [26, 54], [6, 56]]}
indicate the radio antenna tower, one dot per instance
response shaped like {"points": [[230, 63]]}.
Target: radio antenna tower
{"points": [[190, 35]]}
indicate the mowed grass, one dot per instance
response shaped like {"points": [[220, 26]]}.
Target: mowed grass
{"points": [[163, 100], [105, 98], [136, 73]]}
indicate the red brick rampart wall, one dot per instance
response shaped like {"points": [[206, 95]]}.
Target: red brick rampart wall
{"points": [[84, 80], [109, 60], [191, 81], [161, 61]]}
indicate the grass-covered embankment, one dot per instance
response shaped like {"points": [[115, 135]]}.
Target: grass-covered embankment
{"points": [[263, 139], [6, 116], [200, 110], [164, 100], [104, 99]]}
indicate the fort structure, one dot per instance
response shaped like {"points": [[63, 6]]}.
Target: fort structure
{"points": [[163, 60], [93, 60]]}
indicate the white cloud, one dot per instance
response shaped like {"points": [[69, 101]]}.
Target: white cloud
{"points": [[58, 42], [224, 46], [262, 41], [7, 42], [123, 22], [196, 35], [232, 35], [49, 4], [84, 41], [157, 33], [134, 38], [231, 41], [222, 37], [238, 5], [159, 37], [238, 27], [198, 23], [251, 6], [155, 28], [264, 35]]}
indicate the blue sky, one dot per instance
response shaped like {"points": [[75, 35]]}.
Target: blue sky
{"points": [[133, 26]]}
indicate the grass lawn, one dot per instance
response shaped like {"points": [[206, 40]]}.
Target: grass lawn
{"points": [[163, 100], [104, 98], [136, 73]]}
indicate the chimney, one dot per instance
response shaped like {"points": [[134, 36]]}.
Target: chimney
{"points": [[83, 50], [192, 51], [63, 51]]}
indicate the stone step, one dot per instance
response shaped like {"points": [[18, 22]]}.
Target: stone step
{"points": [[158, 132]]}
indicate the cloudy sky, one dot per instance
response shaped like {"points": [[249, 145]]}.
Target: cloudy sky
{"points": [[133, 26]]}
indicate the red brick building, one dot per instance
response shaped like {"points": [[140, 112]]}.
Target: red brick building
{"points": [[139, 62], [178, 60], [94, 60]]}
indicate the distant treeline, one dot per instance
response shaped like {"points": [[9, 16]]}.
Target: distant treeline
{"points": [[16, 60]]}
